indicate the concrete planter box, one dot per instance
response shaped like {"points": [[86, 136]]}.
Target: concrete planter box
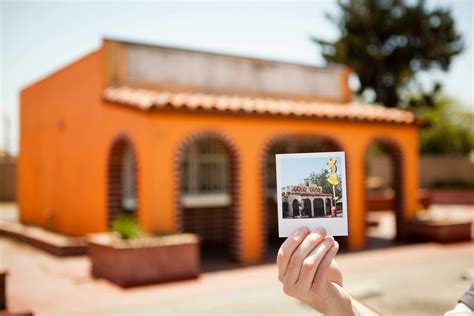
{"points": [[441, 231], [383, 200], [144, 260], [453, 196]]}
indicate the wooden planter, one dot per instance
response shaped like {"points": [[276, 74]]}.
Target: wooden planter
{"points": [[441, 231], [144, 260]]}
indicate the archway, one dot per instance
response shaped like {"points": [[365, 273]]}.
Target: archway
{"points": [[328, 207], [207, 194], [306, 208], [285, 144], [384, 192], [318, 205], [121, 179], [296, 208]]}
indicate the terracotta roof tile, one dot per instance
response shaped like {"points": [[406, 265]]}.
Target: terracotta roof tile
{"points": [[147, 99]]}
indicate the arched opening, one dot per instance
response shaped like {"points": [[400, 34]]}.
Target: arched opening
{"points": [[318, 205], [306, 208], [328, 206], [207, 196], [285, 209], [384, 192], [286, 144], [296, 208], [121, 180]]}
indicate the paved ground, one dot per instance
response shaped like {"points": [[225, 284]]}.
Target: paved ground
{"points": [[418, 279]]}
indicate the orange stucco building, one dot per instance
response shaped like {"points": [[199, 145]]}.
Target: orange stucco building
{"points": [[185, 140]]}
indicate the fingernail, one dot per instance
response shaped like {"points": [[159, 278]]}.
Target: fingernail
{"points": [[303, 230], [320, 230]]}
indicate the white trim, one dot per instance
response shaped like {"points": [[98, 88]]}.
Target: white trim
{"points": [[206, 200]]}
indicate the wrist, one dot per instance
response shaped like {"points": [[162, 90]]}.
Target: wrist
{"points": [[340, 304], [344, 307]]}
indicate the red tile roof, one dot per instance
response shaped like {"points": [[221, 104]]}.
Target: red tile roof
{"points": [[148, 99]]}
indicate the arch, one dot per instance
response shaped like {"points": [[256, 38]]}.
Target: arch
{"points": [[397, 164], [328, 206], [296, 207], [269, 206], [307, 208], [122, 175], [318, 205], [285, 209], [232, 217]]}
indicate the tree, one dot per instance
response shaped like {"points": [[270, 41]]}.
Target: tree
{"points": [[449, 128], [387, 42], [320, 179]]}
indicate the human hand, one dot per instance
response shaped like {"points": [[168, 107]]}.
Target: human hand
{"points": [[307, 271]]}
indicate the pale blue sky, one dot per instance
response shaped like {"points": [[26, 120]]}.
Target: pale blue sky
{"points": [[294, 170], [39, 37]]}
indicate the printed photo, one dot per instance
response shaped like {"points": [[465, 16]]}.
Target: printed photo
{"points": [[312, 192]]}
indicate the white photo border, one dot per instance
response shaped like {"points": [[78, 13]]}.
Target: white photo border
{"points": [[334, 226]]}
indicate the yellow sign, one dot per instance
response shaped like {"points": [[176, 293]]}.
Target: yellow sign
{"points": [[330, 164], [333, 179]]}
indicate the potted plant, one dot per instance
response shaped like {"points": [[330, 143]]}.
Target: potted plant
{"points": [[128, 257]]}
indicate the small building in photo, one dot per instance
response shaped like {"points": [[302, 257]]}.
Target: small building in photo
{"points": [[185, 140], [306, 201]]}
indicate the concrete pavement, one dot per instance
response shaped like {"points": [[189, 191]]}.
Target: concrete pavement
{"points": [[421, 279]]}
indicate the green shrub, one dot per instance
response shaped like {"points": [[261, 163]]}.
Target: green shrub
{"points": [[126, 226]]}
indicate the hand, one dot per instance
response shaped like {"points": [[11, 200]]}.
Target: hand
{"points": [[308, 272]]}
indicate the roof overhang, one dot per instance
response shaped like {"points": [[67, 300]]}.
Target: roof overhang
{"points": [[151, 99]]}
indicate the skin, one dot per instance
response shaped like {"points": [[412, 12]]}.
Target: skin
{"points": [[308, 272]]}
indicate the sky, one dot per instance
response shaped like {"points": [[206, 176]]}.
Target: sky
{"points": [[294, 170], [39, 37]]}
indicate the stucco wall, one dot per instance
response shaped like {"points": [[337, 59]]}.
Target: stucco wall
{"points": [[66, 134], [231, 74], [433, 170]]}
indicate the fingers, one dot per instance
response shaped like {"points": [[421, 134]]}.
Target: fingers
{"points": [[311, 264], [322, 273], [288, 248], [299, 256]]}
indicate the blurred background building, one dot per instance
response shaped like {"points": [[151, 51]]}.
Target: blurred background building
{"points": [[186, 141]]}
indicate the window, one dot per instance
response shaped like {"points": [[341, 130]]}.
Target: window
{"points": [[128, 181], [204, 180]]}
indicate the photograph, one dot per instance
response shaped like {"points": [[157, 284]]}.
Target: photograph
{"points": [[312, 192]]}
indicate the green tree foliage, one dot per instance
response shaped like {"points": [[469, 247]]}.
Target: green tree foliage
{"points": [[449, 127], [320, 179], [387, 42]]}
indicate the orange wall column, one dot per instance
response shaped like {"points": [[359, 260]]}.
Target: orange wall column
{"points": [[355, 174], [410, 178], [250, 194], [162, 190]]}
